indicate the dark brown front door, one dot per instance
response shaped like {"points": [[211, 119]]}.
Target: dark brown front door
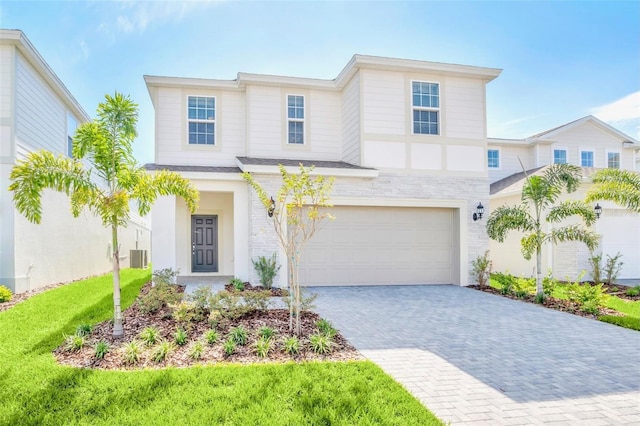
{"points": [[204, 243]]}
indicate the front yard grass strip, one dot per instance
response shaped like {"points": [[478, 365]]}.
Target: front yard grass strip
{"points": [[35, 390]]}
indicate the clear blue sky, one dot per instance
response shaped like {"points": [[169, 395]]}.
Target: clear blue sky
{"points": [[561, 60]]}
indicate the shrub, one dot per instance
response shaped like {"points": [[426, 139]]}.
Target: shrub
{"points": [[201, 299], [84, 329], [262, 347], [306, 300], [482, 269], [180, 337], [320, 343], [211, 336], [214, 318], [257, 300], [267, 268], [162, 351], [229, 304], [73, 343], [159, 296], [101, 349], [238, 335], [626, 322], [266, 333], [589, 297], [229, 346], [326, 328], [184, 313], [196, 350], [237, 284], [132, 351], [292, 345], [549, 285], [612, 267], [150, 335], [5, 294], [165, 276], [505, 282], [595, 260], [524, 286], [633, 291]]}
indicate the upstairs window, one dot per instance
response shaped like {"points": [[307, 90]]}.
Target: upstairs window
{"points": [[613, 160], [295, 119], [202, 120], [559, 156], [493, 158], [72, 126], [426, 108], [586, 158]]}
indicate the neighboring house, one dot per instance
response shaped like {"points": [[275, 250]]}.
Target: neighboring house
{"points": [[38, 112], [405, 140], [588, 143]]}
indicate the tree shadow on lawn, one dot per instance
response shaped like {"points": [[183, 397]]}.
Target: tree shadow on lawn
{"points": [[92, 314]]}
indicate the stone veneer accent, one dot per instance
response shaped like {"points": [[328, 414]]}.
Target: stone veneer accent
{"points": [[263, 240]]}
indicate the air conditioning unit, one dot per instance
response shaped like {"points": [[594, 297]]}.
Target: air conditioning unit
{"points": [[138, 258]]}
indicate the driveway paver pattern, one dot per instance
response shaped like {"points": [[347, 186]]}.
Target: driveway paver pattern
{"points": [[474, 358]]}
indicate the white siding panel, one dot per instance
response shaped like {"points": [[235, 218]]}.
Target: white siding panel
{"points": [[40, 116], [265, 126], [463, 100], [6, 68], [384, 154], [509, 163], [466, 158], [384, 102], [324, 125], [351, 121], [426, 156]]}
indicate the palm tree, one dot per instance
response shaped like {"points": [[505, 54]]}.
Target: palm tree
{"points": [[620, 186], [107, 187], [539, 197]]}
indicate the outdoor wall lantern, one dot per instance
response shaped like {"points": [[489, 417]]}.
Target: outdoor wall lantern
{"points": [[272, 208], [477, 215], [598, 210]]}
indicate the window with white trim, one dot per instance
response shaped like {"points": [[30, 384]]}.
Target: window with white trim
{"points": [[493, 158], [425, 101], [559, 156], [586, 158], [72, 126], [201, 113], [295, 119], [613, 160]]}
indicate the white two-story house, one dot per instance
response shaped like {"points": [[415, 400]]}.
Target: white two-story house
{"points": [[406, 141], [590, 144], [38, 112]]}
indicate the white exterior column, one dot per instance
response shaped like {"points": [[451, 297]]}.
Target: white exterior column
{"points": [[163, 237]]}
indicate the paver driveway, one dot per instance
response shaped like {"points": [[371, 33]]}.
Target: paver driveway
{"points": [[476, 358]]}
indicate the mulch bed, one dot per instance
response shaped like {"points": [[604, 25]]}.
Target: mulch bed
{"points": [[135, 321], [551, 303]]}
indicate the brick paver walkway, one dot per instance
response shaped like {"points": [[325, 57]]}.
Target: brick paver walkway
{"points": [[475, 358]]}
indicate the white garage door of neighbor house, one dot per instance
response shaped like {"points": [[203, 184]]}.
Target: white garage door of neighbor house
{"points": [[621, 233], [381, 245]]}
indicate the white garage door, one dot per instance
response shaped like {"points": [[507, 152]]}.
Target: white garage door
{"points": [[621, 233], [381, 245]]}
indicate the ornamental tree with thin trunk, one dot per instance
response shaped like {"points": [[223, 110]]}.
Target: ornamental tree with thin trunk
{"points": [[107, 186], [540, 210], [298, 213], [620, 186]]}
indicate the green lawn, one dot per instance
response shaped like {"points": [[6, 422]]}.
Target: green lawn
{"points": [[34, 390]]}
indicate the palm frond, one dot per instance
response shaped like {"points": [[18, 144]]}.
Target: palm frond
{"points": [[572, 208], [43, 170], [620, 186], [574, 233], [508, 218]]}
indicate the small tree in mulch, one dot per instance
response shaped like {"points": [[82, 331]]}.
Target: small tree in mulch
{"points": [[298, 213]]}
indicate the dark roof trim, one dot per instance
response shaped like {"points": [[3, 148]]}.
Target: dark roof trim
{"points": [[501, 184], [201, 169], [295, 163]]}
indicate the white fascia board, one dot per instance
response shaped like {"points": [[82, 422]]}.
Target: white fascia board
{"points": [[196, 176], [24, 46], [411, 65], [195, 83], [318, 171], [499, 141], [277, 80]]}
